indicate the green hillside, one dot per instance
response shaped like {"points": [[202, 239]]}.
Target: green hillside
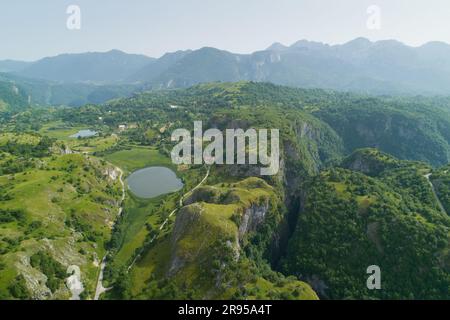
{"points": [[58, 207], [350, 221], [225, 261], [12, 97], [441, 181]]}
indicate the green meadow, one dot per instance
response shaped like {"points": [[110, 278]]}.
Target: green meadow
{"points": [[139, 213], [59, 130], [137, 158]]}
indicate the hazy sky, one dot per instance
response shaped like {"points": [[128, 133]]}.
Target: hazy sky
{"points": [[33, 29]]}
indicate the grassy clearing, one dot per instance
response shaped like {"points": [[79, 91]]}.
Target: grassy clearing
{"points": [[138, 158], [59, 130], [154, 262], [93, 144], [137, 214], [23, 139]]}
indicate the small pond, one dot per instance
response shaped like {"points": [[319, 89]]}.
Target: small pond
{"points": [[152, 182], [84, 134]]}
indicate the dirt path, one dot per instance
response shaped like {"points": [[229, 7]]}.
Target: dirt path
{"points": [[196, 187], [100, 288], [435, 194]]}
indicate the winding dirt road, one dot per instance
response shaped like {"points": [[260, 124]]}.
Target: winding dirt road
{"points": [[434, 192]]}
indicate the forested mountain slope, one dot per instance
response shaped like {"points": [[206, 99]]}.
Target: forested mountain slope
{"points": [[12, 97], [408, 128], [53, 93], [381, 212]]}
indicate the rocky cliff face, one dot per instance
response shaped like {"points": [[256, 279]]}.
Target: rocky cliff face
{"points": [[188, 218], [371, 162], [206, 245], [215, 215], [253, 217]]}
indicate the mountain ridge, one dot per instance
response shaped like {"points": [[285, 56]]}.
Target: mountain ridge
{"points": [[386, 67], [110, 66]]}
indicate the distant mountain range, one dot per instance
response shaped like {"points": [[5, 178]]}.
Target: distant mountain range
{"points": [[97, 67], [46, 92], [383, 67], [13, 66]]}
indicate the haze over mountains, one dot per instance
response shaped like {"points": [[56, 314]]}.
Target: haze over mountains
{"points": [[383, 67]]}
